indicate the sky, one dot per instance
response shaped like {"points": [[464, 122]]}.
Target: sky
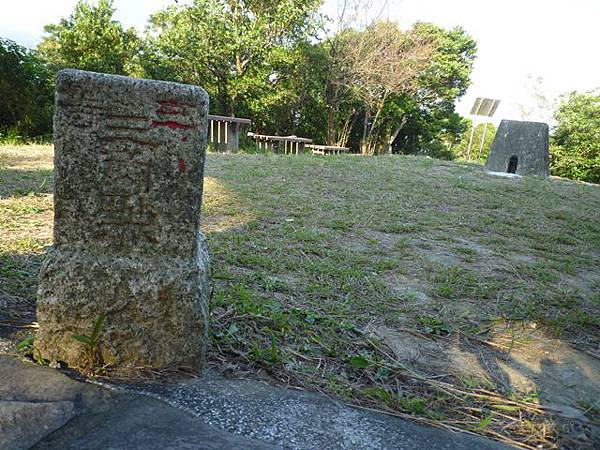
{"points": [[518, 40]]}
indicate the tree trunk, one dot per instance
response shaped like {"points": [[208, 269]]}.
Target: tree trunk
{"points": [[330, 126], [232, 104], [331, 107], [394, 135], [363, 142]]}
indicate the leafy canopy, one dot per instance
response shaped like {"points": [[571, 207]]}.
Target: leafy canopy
{"points": [[25, 90], [90, 39], [378, 88], [575, 152], [431, 124], [233, 48]]}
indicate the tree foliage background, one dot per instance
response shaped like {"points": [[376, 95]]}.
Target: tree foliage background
{"points": [[575, 149], [375, 87], [90, 39], [480, 143], [25, 92]]}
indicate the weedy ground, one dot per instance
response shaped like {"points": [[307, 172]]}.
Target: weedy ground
{"points": [[420, 288]]}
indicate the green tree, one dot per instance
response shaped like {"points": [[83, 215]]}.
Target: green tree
{"points": [[477, 153], [431, 124], [26, 92], [241, 51], [448, 76], [413, 110], [293, 103], [90, 39], [575, 149]]}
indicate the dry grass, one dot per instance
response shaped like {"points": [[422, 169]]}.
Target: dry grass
{"points": [[313, 257]]}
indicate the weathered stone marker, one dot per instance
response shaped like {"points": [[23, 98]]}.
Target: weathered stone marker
{"points": [[521, 148], [129, 162]]}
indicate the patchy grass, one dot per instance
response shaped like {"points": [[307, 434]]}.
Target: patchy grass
{"points": [[338, 228], [330, 246], [25, 228], [313, 257]]}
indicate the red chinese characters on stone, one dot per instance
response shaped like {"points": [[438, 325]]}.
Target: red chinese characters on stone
{"points": [[172, 107], [172, 124]]}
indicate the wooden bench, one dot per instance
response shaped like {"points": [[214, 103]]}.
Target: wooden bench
{"points": [[224, 132], [282, 144], [327, 149]]}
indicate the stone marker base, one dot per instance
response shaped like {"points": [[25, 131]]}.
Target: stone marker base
{"points": [[128, 170], [156, 308], [520, 147]]}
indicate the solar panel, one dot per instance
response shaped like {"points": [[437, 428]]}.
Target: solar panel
{"points": [[484, 107]]}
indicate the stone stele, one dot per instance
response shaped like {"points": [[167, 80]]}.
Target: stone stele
{"points": [[521, 148], [128, 171]]}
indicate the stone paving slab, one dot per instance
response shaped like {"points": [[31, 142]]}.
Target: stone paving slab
{"points": [[134, 422], [293, 419]]}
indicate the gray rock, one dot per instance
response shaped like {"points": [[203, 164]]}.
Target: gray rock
{"points": [[23, 424], [28, 382], [521, 148], [102, 418], [129, 161], [133, 422]]}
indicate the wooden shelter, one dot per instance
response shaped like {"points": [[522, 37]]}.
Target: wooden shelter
{"points": [[327, 149], [224, 132], [292, 145]]}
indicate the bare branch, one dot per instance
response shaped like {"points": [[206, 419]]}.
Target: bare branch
{"points": [[379, 62]]}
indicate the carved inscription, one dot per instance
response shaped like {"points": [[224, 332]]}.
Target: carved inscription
{"points": [[171, 107], [127, 170], [125, 211]]}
